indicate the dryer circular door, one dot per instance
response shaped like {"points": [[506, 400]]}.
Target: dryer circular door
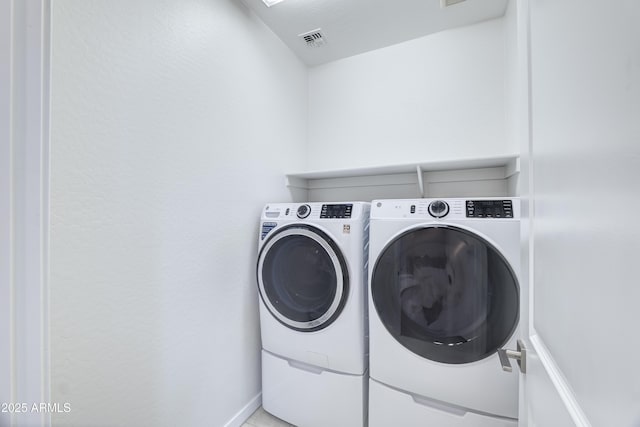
{"points": [[302, 278], [446, 294]]}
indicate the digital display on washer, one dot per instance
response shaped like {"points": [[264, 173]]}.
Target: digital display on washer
{"points": [[489, 209], [336, 211]]}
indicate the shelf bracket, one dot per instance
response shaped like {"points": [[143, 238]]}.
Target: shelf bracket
{"points": [[420, 181], [512, 167]]}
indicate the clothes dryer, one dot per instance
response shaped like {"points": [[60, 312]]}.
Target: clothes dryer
{"points": [[444, 297], [311, 275]]}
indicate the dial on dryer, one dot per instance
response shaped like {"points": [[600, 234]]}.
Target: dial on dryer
{"points": [[438, 209]]}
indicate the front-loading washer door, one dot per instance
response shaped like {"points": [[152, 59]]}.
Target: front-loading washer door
{"points": [[302, 278], [446, 294]]}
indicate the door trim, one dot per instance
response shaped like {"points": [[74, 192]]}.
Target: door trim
{"points": [[559, 382], [7, 379], [24, 208], [538, 352]]}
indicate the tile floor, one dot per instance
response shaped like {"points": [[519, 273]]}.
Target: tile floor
{"points": [[261, 418]]}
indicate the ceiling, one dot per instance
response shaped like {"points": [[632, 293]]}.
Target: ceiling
{"points": [[350, 27]]}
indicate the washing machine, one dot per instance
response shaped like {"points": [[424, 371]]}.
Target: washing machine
{"points": [[311, 274], [444, 297]]}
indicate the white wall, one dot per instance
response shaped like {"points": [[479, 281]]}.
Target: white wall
{"points": [[432, 98], [586, 170], [172, 123]]}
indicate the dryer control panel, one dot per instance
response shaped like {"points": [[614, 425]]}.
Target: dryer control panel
{"points": [[489, 209], [448, 209]]}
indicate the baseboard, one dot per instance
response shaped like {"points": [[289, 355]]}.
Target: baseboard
{"points": [[243, 414]]}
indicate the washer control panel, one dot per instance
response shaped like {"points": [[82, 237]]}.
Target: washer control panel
{"points": [[336, 211], [489, 209], [311, 211]]}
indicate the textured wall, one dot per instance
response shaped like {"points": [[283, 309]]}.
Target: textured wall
{"points": [[437, 97], [163, 113]]}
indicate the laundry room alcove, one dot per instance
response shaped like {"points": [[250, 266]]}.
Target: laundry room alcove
{"points": [[463, 177]]}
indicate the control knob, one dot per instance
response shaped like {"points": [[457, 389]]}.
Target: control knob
{"points": [[303, 211], [438, 209]]}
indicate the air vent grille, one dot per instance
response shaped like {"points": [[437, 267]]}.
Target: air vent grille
{"points": [[314, 38], [447, 3]]}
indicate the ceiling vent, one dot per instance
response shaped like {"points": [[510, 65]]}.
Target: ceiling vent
{"points": [[313, 38], [447, 3]]}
